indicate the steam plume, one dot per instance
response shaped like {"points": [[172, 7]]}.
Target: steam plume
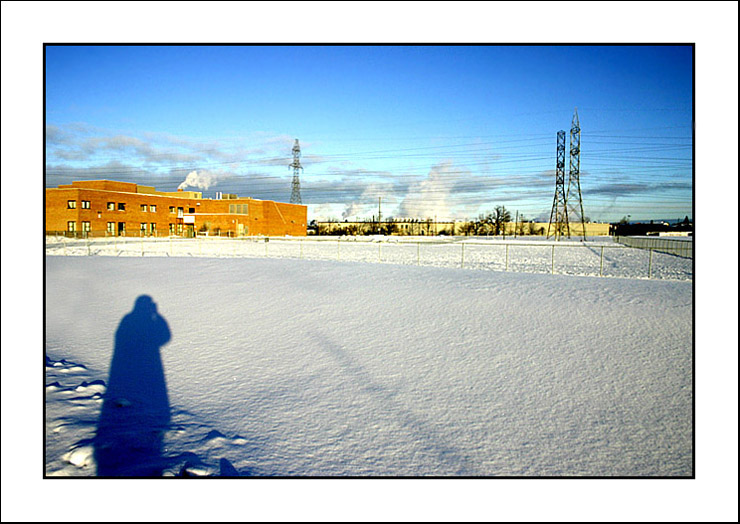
{"points": [[430, 197], [202, 180]]}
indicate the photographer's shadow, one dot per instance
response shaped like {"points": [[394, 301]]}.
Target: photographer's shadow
{"points": [[136, 409]]}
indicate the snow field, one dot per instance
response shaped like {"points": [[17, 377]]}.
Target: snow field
{"points": [[285, 367], [597, 257]]}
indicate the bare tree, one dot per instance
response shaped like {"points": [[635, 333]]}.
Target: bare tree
{"points": [[389, 227], [500, 217], [468, 228]]}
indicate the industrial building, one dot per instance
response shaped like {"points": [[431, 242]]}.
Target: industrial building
{"points": [[109, 208], [456, 228]]}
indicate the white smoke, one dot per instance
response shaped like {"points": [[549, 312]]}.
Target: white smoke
{"points": [[352, 210], [366, 205], [202, 180], [430, 198], [323, 212]]}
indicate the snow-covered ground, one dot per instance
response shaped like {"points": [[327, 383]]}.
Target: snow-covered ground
{"points": [[297, 367], [599, 256]]}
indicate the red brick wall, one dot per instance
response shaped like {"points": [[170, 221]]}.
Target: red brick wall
{"points": [[57, 214], [264, 217], [284, 219], [106, 185]]}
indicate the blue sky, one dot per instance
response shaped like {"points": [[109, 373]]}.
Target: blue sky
{"points": [[444, 132]]}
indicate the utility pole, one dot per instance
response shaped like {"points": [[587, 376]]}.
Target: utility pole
{"points": [[379, 216], [295, 195]]}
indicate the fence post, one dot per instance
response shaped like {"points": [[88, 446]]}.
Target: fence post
{"points": [[267, 243], [601, 264], [170, 244], [650, 263], [552, 261], [142, 244], [338, 240], [379, 244], [64, 245]]}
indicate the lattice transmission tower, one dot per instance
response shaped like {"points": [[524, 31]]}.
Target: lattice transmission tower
{"points": [[295, 195], [573, 195], [559, 215]]}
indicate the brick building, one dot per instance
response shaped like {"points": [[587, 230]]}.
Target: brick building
{"points": [[108, 208]]}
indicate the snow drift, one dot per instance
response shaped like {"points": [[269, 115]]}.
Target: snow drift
{"points": [[280, 367]]}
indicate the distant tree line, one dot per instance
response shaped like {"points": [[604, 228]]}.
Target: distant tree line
{"points": [[495, 222], [389, 226], [626, 228], [498, 222]]}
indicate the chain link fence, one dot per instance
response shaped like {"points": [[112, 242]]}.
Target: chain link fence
{"points": [[602, 258], [681, 247]]}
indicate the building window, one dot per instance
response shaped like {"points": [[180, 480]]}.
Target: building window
{"points": [[71, 226], [86, 226], [239, 209], [143, 227], [111, 206], [71, 204], [85, 204], [180, 212], [111, 228], [153, 228], [121, 206], [172, 210], [143, 208], [191, 210], [152, 209], [172, 229]]}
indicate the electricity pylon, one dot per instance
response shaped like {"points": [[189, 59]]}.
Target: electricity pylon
{"points": [[573, 195], [559, 214], [295, 195]]}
